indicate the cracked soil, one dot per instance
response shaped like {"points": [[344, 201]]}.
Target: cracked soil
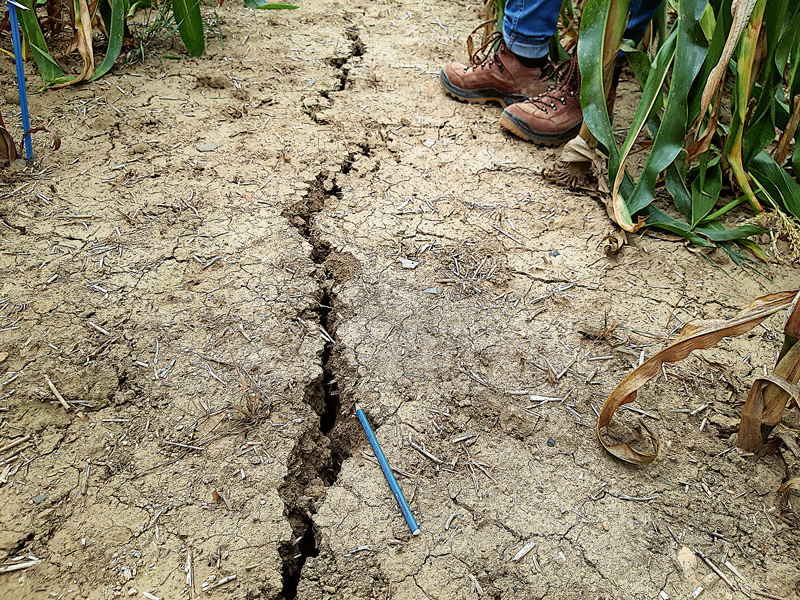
{"points": [[227, 253]]}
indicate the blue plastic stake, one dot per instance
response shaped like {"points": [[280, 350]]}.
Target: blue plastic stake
{"points": [[398, 494], [23, 96]]}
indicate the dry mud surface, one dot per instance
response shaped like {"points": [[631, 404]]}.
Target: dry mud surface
{"points": [[227, 253]]}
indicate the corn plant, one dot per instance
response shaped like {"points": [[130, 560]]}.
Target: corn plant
{"points": [[56, 28], [695, 150], [45, 26]]}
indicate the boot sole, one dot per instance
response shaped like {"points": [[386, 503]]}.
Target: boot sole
{"points": [[481, 96], [522, 129]]}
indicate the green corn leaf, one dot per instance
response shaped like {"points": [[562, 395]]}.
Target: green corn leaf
{"points": [[137, 4], [651, 92], [729, 235], [706, 188], [499, 11], [737, 257], [104, 8], [754, 248], [787, 39], [794, 66], [661, 220], [648, 105], [115, 34], [748, 55], [783, 191], [675, 178], [725, 209], [732, 247], [61, 81], [796, 154], [702, 236], [597, 14], [640, 65], [660, 24], [190, 24], [639, 62], [708, 22], [556, 50], [593, 102], [690, 53], [49, 69]]}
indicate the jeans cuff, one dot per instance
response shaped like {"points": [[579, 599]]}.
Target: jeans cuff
{"points": [[525, 45]]}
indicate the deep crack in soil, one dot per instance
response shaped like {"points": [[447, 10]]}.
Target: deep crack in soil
{"points": [[430, 274], [323, 396]]}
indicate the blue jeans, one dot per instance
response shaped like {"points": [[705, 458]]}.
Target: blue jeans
{"points": [[528, 25]]}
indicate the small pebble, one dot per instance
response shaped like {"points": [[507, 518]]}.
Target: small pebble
{"points": [[551, 442], [11, 97], [555, 253], [39, 499], [210, 147]]}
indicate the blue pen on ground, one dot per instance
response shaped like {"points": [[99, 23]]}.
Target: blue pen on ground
{"points": [[23, 96], [387, 471]]}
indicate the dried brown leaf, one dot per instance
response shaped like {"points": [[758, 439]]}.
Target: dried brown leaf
{"points": [[789, 440], [8, 151], [767, 398], [613, 242], [793, 485], [82, 42], [694, 336], [792, 327]]}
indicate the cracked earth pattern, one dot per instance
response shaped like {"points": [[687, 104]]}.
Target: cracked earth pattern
{"points": [[227, 253]]}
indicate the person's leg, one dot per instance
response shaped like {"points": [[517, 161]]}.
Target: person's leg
{"points": [[640, 14], [528, 26], [556, 116]]}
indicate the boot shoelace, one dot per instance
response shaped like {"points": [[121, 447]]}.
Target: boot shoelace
{"points": [[568, 83], [488, 53]]}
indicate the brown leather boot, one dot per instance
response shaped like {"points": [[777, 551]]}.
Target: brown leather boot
{"points": [[494, 75], [555, 116]]}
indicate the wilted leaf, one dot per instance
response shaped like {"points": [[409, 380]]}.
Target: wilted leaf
{"points": [[8, 151], [789, 439], [767, 398], [793, 485], [83, 35], [613, 242], [791, 331], [581, 167], [694, 336], [741, 16]]}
